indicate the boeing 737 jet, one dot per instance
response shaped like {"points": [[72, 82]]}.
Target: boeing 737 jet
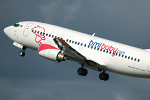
{"points": [[59, 44]]}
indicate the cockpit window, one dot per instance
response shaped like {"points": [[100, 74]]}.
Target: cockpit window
{"points": [[16, 25]]}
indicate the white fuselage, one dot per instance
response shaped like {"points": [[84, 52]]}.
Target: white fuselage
{"points": [[117, 57]]}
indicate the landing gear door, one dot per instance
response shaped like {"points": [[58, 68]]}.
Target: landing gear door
{"points": [[27, 29]]}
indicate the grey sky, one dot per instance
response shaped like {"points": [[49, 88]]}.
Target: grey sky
{"points": [[36, 78]]}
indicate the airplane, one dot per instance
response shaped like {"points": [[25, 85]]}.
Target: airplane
{"points": [[59, 44]]}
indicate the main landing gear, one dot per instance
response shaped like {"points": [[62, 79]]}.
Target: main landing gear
{"points": [[102, 76], [82, 72], [22, 53]]}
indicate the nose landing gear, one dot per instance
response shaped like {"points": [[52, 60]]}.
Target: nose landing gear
{"points": [[22, 53]]}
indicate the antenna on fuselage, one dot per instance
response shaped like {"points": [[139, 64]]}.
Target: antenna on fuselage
{"points": [[93, 34]]}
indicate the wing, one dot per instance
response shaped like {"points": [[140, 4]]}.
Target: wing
{"points": [[74, 55]]}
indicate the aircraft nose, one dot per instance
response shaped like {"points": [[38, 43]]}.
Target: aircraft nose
{"points": [[7, 30]]}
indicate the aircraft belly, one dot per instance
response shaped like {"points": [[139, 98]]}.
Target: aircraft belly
{"points": [[129, 69]]}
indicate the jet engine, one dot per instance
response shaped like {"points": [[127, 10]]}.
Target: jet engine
{"points": [[51, 52]]}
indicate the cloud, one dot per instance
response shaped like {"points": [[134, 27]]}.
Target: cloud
{"points": [[59, 10]]}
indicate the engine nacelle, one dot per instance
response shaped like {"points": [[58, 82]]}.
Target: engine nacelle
{"points": [[51, 52]]}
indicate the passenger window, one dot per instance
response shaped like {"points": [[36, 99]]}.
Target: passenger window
{"points": [[32, 30], [69, 41], [125, 57], [135, 59], [122, 56], [101, 49], [46, 34], [110, 52], [107, 51], [132, 58], [91, 47], [78, 43], [72, 41], [104, 50], [119, 55], [35, 31], [88, 46], [52, 36], [38, 32], [85, 45], [116, 54], [129, 57], [75, 42], [81, 44], [138, 60], [97, 48], [113, 53], [94, 48]]}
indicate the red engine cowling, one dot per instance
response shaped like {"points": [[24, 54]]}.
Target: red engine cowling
{"points": [[51, 52]]}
